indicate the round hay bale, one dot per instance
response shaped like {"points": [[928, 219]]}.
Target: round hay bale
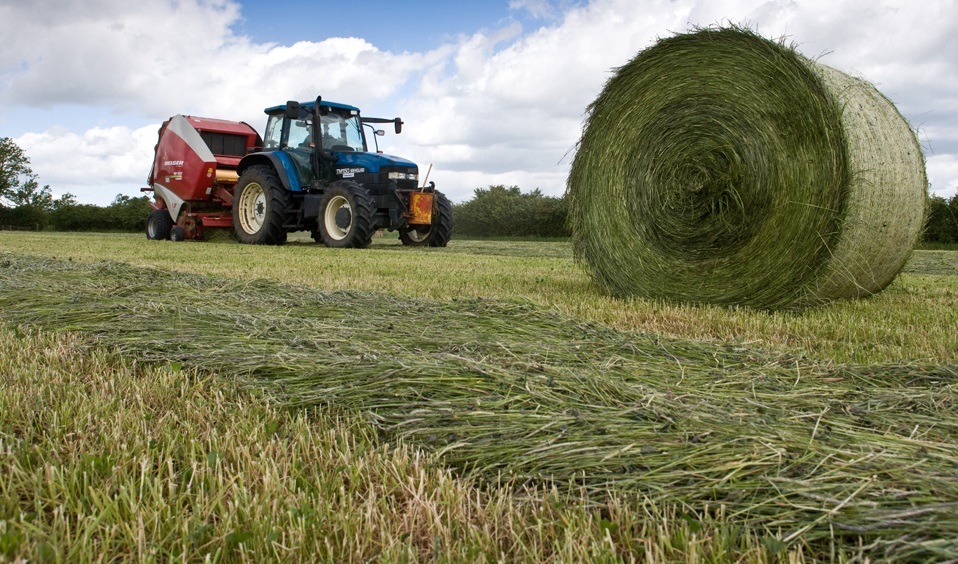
{"points": [[721, 167]]}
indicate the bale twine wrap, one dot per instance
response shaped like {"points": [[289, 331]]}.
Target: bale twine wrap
{"points": [[721, 167]]}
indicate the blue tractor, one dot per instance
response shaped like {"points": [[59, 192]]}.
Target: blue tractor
{"points": [[316, 172]]}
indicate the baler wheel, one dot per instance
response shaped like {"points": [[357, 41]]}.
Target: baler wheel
{"points": [[177, 233], [435, 235], [347, 216], [158, 225], [260, 205]]}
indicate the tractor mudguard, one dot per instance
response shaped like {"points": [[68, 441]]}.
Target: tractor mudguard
{"points": [[280, 162]]}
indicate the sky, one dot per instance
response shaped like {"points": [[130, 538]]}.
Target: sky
{"points": [[491, 91]]}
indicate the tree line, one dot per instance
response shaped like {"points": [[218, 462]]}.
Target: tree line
{"points": [[496, 211]]}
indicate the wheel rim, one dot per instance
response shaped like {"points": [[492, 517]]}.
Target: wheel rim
{"points": [[419, 234], [334, 228], [252, 208], [151, 228]]}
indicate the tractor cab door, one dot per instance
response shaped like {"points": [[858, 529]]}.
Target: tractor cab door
{"points": [[298, 144]]}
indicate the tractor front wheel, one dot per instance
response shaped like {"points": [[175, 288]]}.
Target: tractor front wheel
{"points": [[435, 235], [346, 216], [260, 205], [158, 225]]}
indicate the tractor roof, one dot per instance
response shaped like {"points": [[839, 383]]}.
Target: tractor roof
{"points": [[309, 106]]}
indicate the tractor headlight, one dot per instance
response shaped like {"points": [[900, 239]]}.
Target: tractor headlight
{"points": [[403, 176]]}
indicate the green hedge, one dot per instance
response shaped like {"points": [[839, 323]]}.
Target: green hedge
{"points": [[124, 214], [498, 211]]}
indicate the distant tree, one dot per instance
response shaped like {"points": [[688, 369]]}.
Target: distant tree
{"points": [[128, 214], [30, 194], [65, 200], [500, 211], [941, 224], [15, 171]]}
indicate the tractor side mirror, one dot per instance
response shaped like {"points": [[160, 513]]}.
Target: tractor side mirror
{"points": [[292, 109], [398, 123]]}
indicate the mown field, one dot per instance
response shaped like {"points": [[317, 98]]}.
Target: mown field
{"points": [[479, 402]]}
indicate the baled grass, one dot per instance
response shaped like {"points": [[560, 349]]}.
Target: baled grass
{"points": [[911, 321], [819, 456], [103, 458], [721, 167]]}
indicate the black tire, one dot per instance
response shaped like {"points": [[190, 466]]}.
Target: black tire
{"points": [[347, 216], [177, 233], [158, 225], [436, 235], [260, 206]]}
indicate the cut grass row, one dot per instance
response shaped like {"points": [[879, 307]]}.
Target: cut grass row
{"points": [[911, 321]]}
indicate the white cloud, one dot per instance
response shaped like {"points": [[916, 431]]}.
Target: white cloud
{"points": [[502, 106], [112, 51], [943, 174], [95, 165]]}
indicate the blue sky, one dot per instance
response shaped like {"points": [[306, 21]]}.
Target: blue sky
{"points": [[492, 92], [410, 25]]}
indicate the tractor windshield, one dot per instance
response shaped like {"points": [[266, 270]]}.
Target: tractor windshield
{"points": [[341, 132]]}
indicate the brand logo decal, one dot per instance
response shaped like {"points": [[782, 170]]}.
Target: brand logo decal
{"points": [[349, 172]]}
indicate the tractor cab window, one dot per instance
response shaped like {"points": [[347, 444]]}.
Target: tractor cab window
{"points": [[341, 132], [300, 134], [274, 132]]}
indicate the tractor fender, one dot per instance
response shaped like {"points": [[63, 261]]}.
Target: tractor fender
{"points": [[279, 161]]}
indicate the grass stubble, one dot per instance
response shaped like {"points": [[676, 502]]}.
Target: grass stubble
{"points": [[636, 445]]}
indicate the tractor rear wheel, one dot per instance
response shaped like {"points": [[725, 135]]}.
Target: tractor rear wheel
{"points": [[158, 225], [347, 216], [260, 205], [435, 235]]}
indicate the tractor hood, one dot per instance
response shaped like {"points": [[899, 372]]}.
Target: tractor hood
{"points": [[371, 162]]}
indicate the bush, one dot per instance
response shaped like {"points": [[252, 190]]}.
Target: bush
{"points": [[499, 211], [23, 217]]}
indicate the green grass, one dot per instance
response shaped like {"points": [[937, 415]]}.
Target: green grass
{"points": [[416, 421]]}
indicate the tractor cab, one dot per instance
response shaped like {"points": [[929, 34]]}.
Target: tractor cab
{"points": [[329, 144], [291, 125]]}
